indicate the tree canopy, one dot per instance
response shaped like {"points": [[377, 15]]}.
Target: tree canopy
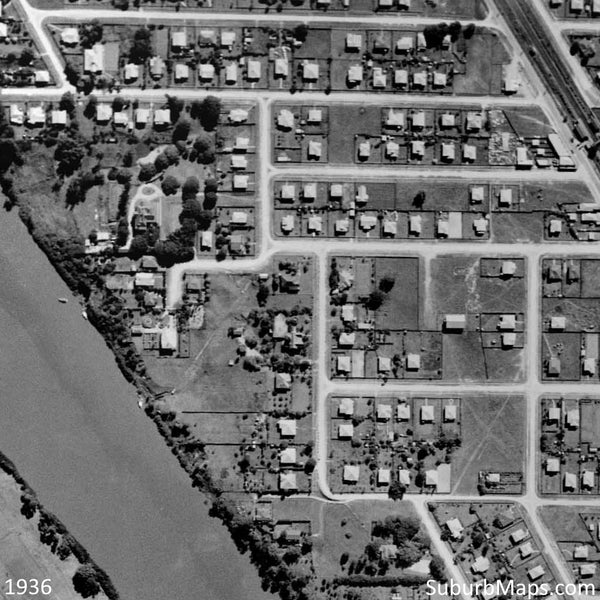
{"points": [[147, 172], [85, 581], [170, 185], [141, 47], [205, 149], [69, 153], [210, 110]]}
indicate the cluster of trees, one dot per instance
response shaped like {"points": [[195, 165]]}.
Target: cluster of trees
{"points": [[396, 490], [377, 297], [203, 150], [435, 34], [179, 246], [207, 111], [80, 184], [90, 33], [69, 153], [26, 57], [66, 253], [169, 156], [386, 581], [301, 32], [278, 575], [405, 533], [141, 46], [89, 580], [9, 153], [106, 312]]}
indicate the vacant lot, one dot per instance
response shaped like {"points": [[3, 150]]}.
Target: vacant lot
{"points": [[493, 439], [400, 308], [457, 287]]}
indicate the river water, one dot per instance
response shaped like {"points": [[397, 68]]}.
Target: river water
{"points": [[71, 424]]}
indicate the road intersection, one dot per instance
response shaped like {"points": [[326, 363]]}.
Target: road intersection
{"points": [[269, 245]]}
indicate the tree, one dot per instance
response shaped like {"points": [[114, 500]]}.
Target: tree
{"points": [[419, 199], [128, 159], [147, 172], [139, 247], [26, 57], [291, 556], [210, 200], [310, 465], [172, 250], [172, 154], [211, 185], [263, 294], [90, 33], [118, 104], [435, 34], [205, 149], [210, 112], [175, 105], [67, 102], [301, 32], [75, 193], [204, 220], [375, 299], [121, 4], [191, 209], [72, 74], [386, 283], [122, 232], [69, 154], [454, 29], [141, 47], [161, 162], [396, 490], [469, 31], [170, 185], [90, 108], [181, 130], [437, 568], [190, 188], [196, 109], [9, 154], [85, 581], [124, 176]]}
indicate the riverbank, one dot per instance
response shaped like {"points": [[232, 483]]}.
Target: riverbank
{"points": [[34, 545], [72, 426]]}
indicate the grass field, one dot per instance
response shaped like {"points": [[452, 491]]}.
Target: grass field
{"points": [[347, 529], [456, 287], [493, 439], [400, 308], [565, 522], [205, 382]]}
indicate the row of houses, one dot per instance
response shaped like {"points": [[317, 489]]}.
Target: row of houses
{"points": [[416, 120]]}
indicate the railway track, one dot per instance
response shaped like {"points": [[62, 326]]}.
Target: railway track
{"points": [[530, 32]]}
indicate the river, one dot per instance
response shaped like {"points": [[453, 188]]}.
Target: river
{"points": [[71, 424]]}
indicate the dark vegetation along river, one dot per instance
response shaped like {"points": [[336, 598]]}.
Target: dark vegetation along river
{"points": [[70, 422]]}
